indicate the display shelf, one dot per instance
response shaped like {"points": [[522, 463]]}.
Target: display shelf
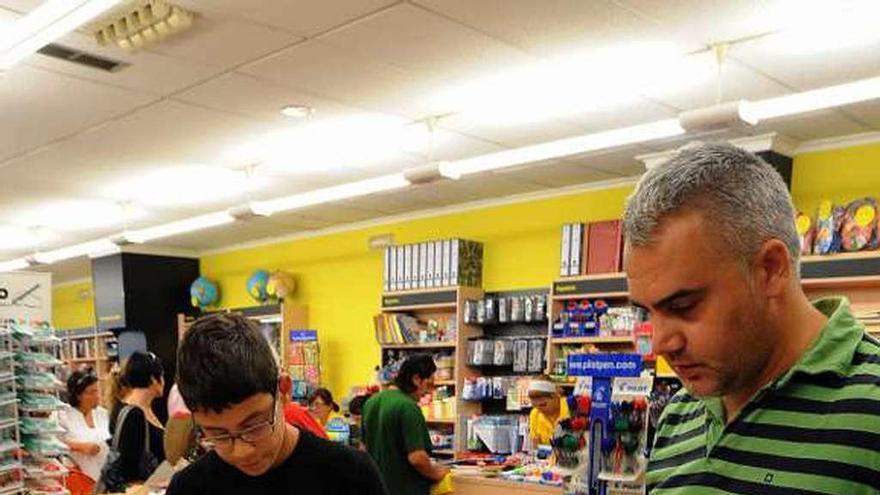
{"points": [[12, 489], [440, 421], [444, 383], [426, 345], [8, 423], [624, 339], [443, 452]]}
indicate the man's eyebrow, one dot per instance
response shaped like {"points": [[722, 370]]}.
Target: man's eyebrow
{"points": [[666, 301], [243, 423]]}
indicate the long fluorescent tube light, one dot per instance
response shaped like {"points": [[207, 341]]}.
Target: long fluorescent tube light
{"points": [[329, 194], [45, 24], [563, 147], [91, 248], [180, 227], [817, 99], [14, 265]]}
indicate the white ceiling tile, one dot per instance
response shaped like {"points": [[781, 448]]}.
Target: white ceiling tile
{"points": [[414, 39], [390, 203], [546, 26], [338, 213], [510, 135], [556, 174], [620, 162], [247, 95], [810, 70], [39, 107], [234, 233], [815, 125], [640, 111], [701, 23], [296, 222], [333, 73], [208, 42], [304, 17], [738, 82], [145, 71], [867, 112]]}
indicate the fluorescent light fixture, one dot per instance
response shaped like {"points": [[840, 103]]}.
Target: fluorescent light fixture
{"points": [[563, 147], [180, 227], [45, 24], [329, 194], [573, 83], [817, 99], [173, 186], [73, 215], [14, 265], [321, 146], [17, 238], [297, 111], [98, 247]]}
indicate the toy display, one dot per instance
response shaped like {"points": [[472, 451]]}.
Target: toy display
{"points": [[828, 223], [257, 285], [204, 293], [858, 229], [304, 362], [281, 284], [806, 232], [582, 318]]}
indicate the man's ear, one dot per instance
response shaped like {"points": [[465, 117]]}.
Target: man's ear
{"points": [[772, 269]]}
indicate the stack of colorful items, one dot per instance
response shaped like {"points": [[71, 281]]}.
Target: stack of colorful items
{"points": [[304, 362], [400, 328]]}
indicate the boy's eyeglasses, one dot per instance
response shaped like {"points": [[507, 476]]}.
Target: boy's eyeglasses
{"points": [[252, 435]]}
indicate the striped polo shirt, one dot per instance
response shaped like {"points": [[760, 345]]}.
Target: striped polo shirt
{"points": [[814, 430]]}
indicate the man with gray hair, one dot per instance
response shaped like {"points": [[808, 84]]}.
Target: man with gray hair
{"points": [[781, 396]]}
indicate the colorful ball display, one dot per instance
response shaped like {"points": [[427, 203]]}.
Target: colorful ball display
{"points": [[204, 293], [281, 285], [257, 286]]}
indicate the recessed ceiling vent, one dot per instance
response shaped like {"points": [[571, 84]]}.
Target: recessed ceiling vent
{"points": [[82, 58]]}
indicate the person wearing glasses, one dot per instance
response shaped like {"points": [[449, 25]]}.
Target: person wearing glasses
{"points": [[229, 378], [87, 429], [322, 406]]}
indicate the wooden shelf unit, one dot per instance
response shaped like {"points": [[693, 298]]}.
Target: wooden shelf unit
{"points": [[446, 303], [289, 315], [103, 364]]}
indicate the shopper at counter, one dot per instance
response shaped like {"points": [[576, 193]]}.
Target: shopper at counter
{"points": [[229, 378], [395, 432], [548, 408], [780, 393], [322, 407], [86, 431]]}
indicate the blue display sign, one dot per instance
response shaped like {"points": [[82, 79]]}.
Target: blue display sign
{"points": [[303, 335], [605, 365]]}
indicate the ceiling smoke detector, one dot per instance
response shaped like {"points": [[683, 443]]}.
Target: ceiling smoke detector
{"points": [[149, 22]]}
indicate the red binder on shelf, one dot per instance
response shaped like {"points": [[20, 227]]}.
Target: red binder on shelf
{"points": [[605, 251]]}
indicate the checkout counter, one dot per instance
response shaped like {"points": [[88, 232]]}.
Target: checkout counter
{"points": [[480, 485]]}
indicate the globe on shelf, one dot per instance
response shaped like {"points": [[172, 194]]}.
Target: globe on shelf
{"points": [[204, 293], [257, 286]]}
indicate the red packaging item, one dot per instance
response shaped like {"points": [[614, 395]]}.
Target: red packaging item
{"points": [[605, 251]]}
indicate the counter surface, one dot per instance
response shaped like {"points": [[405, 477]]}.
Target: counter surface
{"points": [[479, 485]]}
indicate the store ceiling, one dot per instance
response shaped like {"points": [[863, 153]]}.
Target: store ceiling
{"points": [[73, 134]]}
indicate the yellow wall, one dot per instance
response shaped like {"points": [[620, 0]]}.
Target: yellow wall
{"points": [[340, 279], [69, 309], [839, 175]]}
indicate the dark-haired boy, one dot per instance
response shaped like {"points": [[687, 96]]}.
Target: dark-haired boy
{"points": [[229, 378], [395, 432]]}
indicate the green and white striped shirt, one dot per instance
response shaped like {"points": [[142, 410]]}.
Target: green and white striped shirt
{"points": [[814, 430]]}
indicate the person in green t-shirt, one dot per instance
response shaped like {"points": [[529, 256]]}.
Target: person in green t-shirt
{"points": [[395, 432]]}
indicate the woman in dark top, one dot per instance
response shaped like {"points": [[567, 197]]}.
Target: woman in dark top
{"points": [[142, 382]]}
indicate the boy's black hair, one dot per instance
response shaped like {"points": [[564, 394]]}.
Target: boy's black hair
{"points": [[141, 369], [421, 365], [356, 406], [77, 383], [223, 360]]}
